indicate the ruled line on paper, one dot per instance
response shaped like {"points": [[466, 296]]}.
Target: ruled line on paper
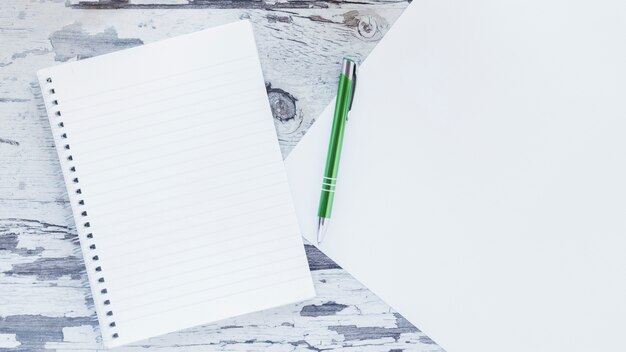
{"points": [[145, 105], [278, 272], [166, 134], [195, 261], [134, 96], [120, 224], [185, 161], [84, 120], [170, 142], [198, 238], [234, 216], [270, 207], [238, 192], [153, 237], [220, 207], [174, 153], [137, 119], [160, 78], [194, 181], [176, 119], [199, 269], [253, 289], [200, 257], [178, 151], [164, 293], [132, 185], [205, 189]]}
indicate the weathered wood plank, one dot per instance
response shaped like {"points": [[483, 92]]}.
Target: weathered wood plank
{"points": [[225, 4], [44, 297]]}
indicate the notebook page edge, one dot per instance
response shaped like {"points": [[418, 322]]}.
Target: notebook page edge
{"points": [[42, 76]]}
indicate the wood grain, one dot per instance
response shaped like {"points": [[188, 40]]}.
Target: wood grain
{"points": [[222, 4], [45, 301]]}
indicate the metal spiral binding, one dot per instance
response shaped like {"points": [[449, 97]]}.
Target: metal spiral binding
{"points": [[91, 260]]}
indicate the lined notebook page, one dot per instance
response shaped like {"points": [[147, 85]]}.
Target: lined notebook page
{"points": [[183, 184]]}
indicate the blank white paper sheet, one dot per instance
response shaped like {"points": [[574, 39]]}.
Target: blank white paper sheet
{"points": [[177, 183], [482, 186]]}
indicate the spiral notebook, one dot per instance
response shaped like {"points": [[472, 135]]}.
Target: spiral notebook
{"points": [[177, 183]]}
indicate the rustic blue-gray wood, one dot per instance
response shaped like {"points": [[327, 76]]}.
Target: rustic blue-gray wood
{"points": [[45, 300]]}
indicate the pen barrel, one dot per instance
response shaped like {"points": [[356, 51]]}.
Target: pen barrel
{"points": [[344, 92]]}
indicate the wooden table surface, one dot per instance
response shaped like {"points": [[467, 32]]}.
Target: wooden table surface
{"points": [[45, 300]]}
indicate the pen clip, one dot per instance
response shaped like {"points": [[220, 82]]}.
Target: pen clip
{"points": [[352, 91]]}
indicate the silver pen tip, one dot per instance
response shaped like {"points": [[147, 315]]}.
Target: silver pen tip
{"points": [[321, 229]]}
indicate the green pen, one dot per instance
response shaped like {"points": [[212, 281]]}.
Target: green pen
{"points": [[345, 96]]}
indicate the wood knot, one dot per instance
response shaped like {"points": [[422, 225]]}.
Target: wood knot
{"points": [[369, 26], [284, 109], [283, 104]]}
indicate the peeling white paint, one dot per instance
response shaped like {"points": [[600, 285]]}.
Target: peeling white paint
{"points": [[8, 341], [84, 333]]}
